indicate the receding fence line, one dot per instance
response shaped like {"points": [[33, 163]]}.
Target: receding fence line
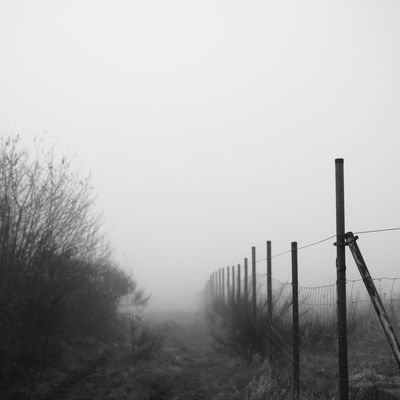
{"points": [[216, 289]]}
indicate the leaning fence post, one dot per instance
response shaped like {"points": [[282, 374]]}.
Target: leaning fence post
{"points": [[253, 277], [341, 282], [295, 316], [245, 284], [269, 279], [351, 240]]}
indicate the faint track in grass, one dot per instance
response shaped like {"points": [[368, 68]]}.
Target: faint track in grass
{"points": [[187, 368]]}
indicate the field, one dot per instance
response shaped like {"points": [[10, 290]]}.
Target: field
{"points": [[190, 364], [186, 366]]}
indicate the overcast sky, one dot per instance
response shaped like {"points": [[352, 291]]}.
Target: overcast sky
{"points": [[212, 126]]}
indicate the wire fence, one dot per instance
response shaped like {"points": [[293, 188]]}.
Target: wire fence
{"points": [[371, 363]]}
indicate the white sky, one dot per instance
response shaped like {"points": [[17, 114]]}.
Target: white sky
{"points": [[212, 126]]}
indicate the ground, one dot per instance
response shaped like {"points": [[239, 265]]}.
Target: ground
{"points": [[187, 366]]}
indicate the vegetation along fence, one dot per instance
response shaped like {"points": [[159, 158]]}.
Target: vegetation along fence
{"points": [[330, 341]]}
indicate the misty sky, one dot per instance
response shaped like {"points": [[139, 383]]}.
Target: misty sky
{"points": [[212, 126]]}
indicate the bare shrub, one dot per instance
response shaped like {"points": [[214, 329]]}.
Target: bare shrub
{"points": [[58, 281]]}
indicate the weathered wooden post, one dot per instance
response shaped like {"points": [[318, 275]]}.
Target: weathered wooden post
{"points": [[254, 283], [219, 283], [223, 284], [351, 240], [238, 283], [245, 284], [341, 282], [269, 279], [228, 288], [233, 284], [212, 285], [295, 317]]}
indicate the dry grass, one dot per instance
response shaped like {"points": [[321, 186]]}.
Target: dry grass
{"points": [[190, 366]]}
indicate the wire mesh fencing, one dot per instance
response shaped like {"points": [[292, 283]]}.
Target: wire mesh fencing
{"points": [[271, 329]]}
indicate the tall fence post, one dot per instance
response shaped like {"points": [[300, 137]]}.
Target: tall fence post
{"points": [[341, 281], [212, 285], [223, 285], [269, 279], [245, 283], [233, 284], [351, 240], [220, 282], [228, 285], [295, 316], [253, 281], [238, 283], [216, 284]]}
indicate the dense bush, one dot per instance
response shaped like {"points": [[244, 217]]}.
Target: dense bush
{"points": [[58, 282]]}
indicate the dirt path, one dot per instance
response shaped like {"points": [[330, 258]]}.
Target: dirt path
{"points": [[187, 367]]}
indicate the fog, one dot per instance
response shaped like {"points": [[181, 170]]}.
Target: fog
{"points": [[210, 127]]}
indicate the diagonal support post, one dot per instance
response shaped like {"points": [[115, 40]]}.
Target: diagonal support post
{"points": [[351, 241]]}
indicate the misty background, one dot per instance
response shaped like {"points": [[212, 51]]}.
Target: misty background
{"points": [[210, 127]]}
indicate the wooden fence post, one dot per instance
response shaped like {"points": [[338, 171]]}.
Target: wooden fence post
{"points": [[223, 284], [351, 240], [233, 284], [269, 279], [215, 284], [245, 285], [238, 283], [341, 282], [254, 286], [228, 288], [212, 285], [219, 283], [295, 317]]}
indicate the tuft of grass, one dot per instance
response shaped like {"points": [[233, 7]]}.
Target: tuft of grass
{"points": [[260, 336], [146, 341]]}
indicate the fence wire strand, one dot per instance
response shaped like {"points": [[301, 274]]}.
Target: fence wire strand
{"points": [[370, 358]]}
